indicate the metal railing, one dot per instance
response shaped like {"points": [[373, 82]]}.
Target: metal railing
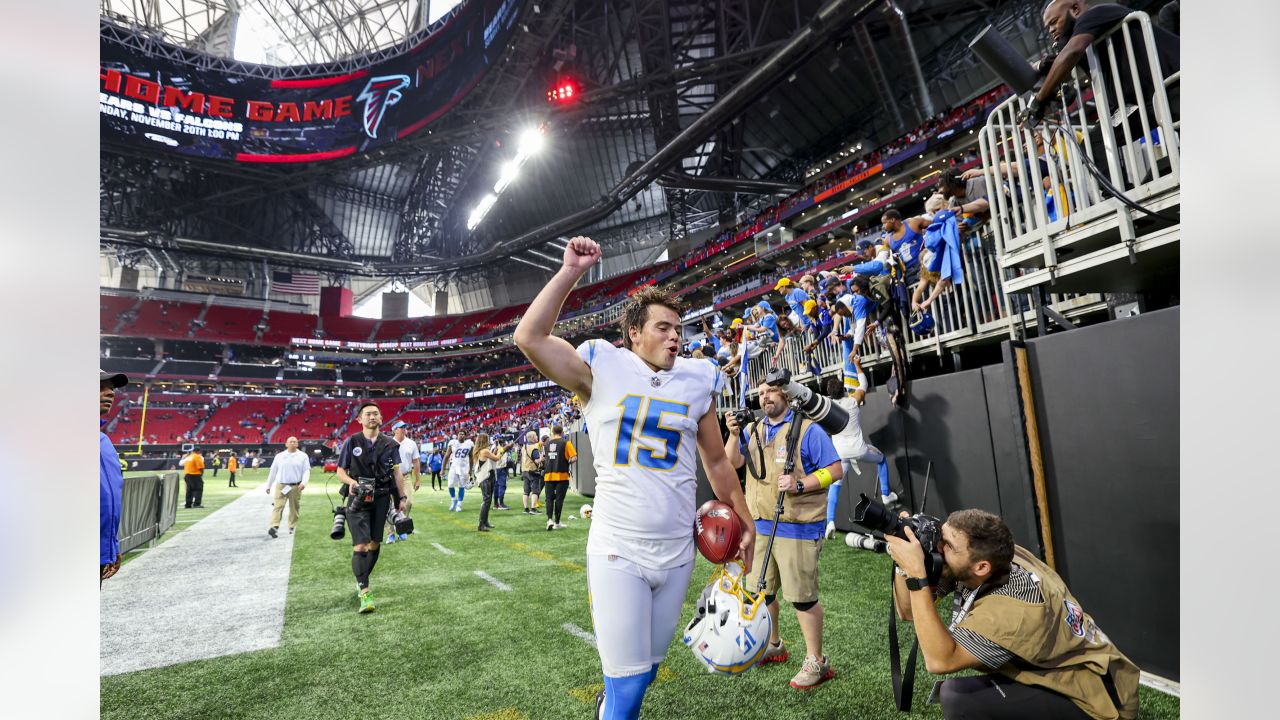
{"points": [[1043, 196], [977, 310]]}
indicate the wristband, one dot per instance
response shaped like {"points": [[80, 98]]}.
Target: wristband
{"points": [[824, 477]]}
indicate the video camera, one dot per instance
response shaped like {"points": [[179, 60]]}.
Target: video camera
{"points": [[872, 515], [830, 417]]}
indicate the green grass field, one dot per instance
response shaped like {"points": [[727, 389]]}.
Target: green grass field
{"points": [[446, 644]]}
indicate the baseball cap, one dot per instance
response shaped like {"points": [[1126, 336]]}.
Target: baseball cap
{"points": [[765, 306], [737, 322], [694, 345], [782, 283], [864, 244], [399, 424], [809, 305], [118, 380]]}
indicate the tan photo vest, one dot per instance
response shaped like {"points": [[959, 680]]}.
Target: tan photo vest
{"points": [[762, 495]]}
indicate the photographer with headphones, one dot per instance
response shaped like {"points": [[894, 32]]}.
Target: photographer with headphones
{"points": [[1013, 618], [369, 465], [801, 524]]}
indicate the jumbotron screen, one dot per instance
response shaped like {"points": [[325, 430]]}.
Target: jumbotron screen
{"points": [[166, 103]]}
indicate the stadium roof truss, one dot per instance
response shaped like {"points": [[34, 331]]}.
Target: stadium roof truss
{"points": [[647, 69]]}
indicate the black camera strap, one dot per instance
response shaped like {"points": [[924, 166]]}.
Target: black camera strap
{"points": [[903, 679]]}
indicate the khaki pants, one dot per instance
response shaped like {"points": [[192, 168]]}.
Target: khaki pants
{"points": [[408, 492], [793, 565], [280, 499]]}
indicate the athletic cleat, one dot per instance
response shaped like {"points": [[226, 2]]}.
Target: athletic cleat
{"points": [[599, 705], [813, 673], [453, 506], [271, 532], [459, 508], [886, 499], [366, 602], [404, 536], [775, 654]]}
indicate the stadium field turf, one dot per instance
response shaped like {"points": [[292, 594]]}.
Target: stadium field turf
{"points": [[448, 643]]}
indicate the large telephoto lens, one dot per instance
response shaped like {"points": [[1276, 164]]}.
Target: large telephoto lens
{"points": [[871, 515]]}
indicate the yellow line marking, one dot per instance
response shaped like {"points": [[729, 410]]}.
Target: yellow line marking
{"points": [[499, 537], [503, 714]]}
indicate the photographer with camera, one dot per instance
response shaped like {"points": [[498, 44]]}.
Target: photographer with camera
{"points": [[771, 444], [1013, 618], [369, 465]]}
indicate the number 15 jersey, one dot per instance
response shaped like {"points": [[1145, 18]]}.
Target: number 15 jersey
{"points": [[643, 428]]}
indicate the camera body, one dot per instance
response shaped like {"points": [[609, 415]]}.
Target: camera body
{"points": [[362, 497], [744, 417], [927, 529]]}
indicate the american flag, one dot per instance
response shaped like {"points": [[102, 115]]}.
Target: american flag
{"points": [[295, 283]]}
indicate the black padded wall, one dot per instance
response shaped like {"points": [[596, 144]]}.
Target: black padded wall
{"points": [[1107, 407], [584, 472]]}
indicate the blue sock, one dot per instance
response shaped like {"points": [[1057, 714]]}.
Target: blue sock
{"points": [[833, 498], [462, 491], [451, 493], [882, 469], [623, 696]]}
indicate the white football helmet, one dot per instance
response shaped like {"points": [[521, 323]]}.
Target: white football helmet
{"points": [[585, 512], [730, 628]]}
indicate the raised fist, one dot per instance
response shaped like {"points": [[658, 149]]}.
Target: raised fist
{"points": [[581, 254]]}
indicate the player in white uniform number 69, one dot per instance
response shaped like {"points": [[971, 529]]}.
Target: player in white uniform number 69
{"points": [[645, 410]]}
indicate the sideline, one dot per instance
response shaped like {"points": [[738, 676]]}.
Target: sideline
{"points": [[217, 588]]}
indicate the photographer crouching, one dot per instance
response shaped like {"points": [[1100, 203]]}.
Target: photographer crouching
{"points": [[798, 504], [369, 465], [1013, 618]]}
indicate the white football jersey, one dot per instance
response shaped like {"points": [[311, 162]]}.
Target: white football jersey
{"points": [[850, 442], [461, 457], [643, 428]]}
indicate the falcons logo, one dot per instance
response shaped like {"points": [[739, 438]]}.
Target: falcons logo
{"points": [[380, 94]]}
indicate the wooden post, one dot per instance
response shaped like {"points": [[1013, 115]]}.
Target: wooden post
{"points": [[1033, 451]]}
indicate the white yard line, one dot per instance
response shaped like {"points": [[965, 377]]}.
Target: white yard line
{"points": [[579, 633], [493, 581], [442, 548]]}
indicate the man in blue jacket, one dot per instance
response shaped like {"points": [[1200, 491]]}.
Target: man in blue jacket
{"points": [[110, 481]]}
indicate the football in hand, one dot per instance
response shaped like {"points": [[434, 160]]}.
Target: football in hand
{"points": [[716, 531]]}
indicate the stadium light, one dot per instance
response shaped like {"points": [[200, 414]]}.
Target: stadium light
{"points": [[531, 141], [510, 170], [481, 210]]}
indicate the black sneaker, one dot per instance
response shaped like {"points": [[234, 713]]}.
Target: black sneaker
{"points": [[271, 532]]}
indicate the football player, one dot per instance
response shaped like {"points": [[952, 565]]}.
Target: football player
{"points": [[645, 408], [457, 457]]}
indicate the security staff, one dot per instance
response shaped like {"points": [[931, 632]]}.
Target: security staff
{"points": [[794, 564], [369, 458], [193, 477], [1013, 618], [233, 464], [559, 453]]}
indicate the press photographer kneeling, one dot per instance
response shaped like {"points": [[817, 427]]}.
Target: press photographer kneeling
{"points": [[1014, 618]]}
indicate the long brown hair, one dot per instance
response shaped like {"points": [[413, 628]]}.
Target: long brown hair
{"points": [[482, 441]]}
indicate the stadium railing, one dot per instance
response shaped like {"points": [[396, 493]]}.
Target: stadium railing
{"points": [[976, 310], [1141, 158], [148, 507]]}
